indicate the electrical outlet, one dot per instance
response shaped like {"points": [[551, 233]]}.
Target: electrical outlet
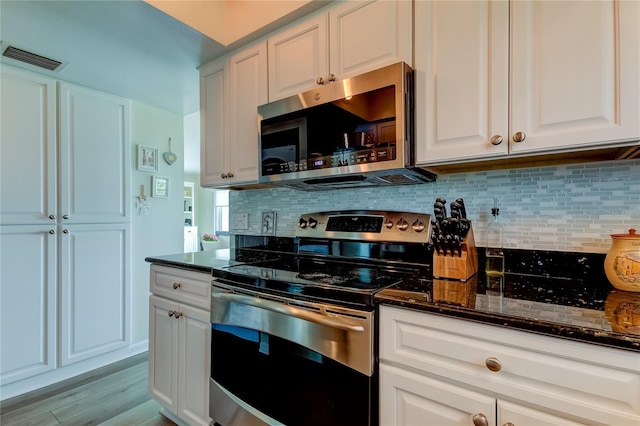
{"points": [[242, 221]]}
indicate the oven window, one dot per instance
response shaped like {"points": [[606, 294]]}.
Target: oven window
{"points": [[287, 381]]}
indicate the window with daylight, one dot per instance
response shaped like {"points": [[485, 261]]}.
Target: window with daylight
{"points": [[221, 212]]}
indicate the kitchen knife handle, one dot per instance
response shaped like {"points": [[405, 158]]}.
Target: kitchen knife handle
{"points": [[463, 209]]}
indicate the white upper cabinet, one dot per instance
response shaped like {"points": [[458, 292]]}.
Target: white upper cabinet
{"points": [[497, 78], [231, 89], [94, 156], [353, 37], [214, 98], [462, 79], [248, 89], [575, 73], [298, 57], [29, 148], [369, 35]]}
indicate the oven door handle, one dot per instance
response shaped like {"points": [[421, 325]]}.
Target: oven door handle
{"points": [[322, 319]]}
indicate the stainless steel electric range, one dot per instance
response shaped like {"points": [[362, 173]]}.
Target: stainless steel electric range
{"points": [[294, 336]]}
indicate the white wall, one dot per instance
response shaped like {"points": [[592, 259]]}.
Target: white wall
{"points": [[160, 232]]}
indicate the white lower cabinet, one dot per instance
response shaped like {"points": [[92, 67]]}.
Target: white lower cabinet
{"points": [[437, 370], [180, 343]]}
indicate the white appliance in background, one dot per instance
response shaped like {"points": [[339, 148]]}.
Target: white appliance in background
{"points": [[191, 239]]}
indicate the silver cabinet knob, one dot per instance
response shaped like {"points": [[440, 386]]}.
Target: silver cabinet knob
{"points": [[176, 286], [320, 81], [496, 140], [171, 313], [66, 231], [331, 78], [493, 364], [229, 175], [52, 231], [480, 420], [508, 424], [65, 216], [52, 217], [519, 136], [223, 175]]}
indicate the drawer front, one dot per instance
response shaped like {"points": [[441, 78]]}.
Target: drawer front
{"points": [[181, 285], [588, 381]]}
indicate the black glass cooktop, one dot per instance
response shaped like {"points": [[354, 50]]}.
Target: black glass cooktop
{"points": [[314, 278]]}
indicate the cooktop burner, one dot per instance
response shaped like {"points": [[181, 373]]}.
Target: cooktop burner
{"points": [[343, 257], [331, 280]]}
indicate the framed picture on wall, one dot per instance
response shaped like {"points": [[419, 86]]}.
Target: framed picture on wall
{"points": [[147, 158], [160, 187]]}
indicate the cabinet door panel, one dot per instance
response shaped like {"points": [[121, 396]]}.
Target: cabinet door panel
{"points": [[27, 301], [194, 355], [94, 290], [214, 127], [94, 156], [248, 89], [520, 415], [369, 35], [28, 138], [577, 84], [407, 399], [163, 352], [461, 74], [297, 57]]}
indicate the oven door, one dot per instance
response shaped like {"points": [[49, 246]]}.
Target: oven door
{"points": [[277, 361]]}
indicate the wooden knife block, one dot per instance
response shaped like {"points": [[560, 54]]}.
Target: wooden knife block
{"points": [[456, 292], [457, 267]]}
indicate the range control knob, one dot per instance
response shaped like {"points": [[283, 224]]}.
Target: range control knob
{"points": [[389, 224], [302, 223], [402, 225], [417, 226], [312, 222]]}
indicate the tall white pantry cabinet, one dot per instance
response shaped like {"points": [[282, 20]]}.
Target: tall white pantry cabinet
{"points": [[65, 229]]}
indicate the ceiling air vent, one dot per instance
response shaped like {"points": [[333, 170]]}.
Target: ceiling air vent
{"points": [[31, 58]]}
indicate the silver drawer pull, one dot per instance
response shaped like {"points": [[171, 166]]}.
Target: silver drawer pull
{"points": [[480, 420], [176, 286], [493, 364]]}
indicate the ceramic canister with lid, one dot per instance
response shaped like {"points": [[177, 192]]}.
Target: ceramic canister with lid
{"points": [[622, 263]]}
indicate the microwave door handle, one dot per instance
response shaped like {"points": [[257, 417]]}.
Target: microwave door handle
{"points": [[287, 310]]}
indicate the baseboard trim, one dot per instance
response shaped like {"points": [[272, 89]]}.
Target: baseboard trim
{"points": [[77, 372]]}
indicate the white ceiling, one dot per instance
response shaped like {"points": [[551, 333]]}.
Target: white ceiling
{"points": [[123, 47]]}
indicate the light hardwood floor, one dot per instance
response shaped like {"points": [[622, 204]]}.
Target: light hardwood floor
{"points": [[112, 395]]}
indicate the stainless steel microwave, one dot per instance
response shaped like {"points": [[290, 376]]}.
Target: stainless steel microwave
{"points": [[354, 132]]}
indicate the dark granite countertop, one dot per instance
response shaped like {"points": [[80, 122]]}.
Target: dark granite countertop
{"points": [[200, 261], [569, 309], [579, 305]]}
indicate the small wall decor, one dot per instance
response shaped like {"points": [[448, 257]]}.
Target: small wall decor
{"points": [[147, 158], [268, 223], [169, 157], [160, 187]]}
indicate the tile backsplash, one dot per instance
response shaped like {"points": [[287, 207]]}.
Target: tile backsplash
{"points": [[558, 208]]}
